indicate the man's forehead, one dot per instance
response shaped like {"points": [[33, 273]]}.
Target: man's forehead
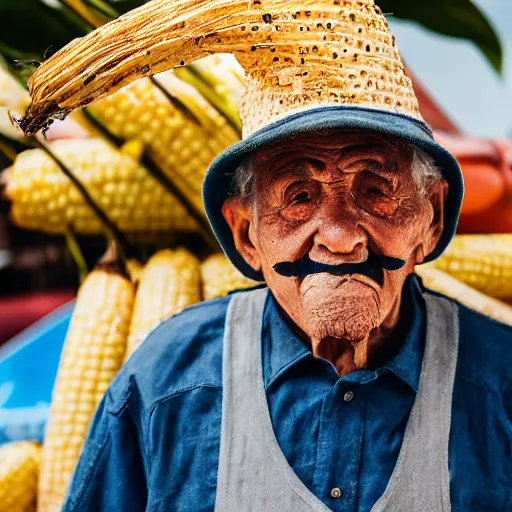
{"points": [[334, 145]]}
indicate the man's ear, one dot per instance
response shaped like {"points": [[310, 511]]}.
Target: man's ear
{"points": [[239, 216], [438, 191]]}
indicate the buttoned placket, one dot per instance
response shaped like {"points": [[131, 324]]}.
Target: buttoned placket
{"points": [[339, 445]]}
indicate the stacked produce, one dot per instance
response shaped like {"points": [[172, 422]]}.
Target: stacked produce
{"points": [[444, 283], [481, 261], [181, 131], [92, 355], [44, 198], [168, 284], [219, 277]]}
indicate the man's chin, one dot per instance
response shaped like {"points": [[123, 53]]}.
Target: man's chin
{"points": [[344, 307]]}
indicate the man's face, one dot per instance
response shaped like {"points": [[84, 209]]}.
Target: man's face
{"points": [[334, 197]]}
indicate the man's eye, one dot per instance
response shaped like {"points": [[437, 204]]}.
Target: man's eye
{"points": [[374, 191], [302, 197], [375, 194], [374, 186]]}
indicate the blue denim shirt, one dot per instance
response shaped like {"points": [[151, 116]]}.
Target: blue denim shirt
{"points": [[154, 442]]}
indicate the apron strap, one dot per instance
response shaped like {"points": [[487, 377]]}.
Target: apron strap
{"points": [[253, 474], [421, 480]]}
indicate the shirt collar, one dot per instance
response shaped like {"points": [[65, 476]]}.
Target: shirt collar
{"points": [[407, 363], [283, 349]]}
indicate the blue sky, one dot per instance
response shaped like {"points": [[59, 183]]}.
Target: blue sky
{"points": [[459, 77]]}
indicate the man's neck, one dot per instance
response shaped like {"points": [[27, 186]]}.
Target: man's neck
{"points": [[381, 345]]}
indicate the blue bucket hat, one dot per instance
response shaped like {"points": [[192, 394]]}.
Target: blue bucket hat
{"points": [[218, 183]]}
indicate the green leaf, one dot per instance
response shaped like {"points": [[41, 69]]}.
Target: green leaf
{"points": [[29, 27], [455, 18]]}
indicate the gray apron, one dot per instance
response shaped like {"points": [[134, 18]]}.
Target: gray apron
{"points": [[254, 474]]}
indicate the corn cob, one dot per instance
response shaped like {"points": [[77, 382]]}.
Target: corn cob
{"points": [[220, 79], [444, 283], [12, 96], [297, 55], [181, 136], [19, 469], [12, 93], [134, 268], [219, 277], [92, 355], [223, 74], [481, 261], [44, 199], [168, 284]]}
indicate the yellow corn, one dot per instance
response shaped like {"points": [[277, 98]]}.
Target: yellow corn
{"points": [[221, 80], [444, 283], [43, 198], [92, 355], [19, 469], [168, 284], [481, 261], [219, 277], [12, 93], [224, 74], [134, 268], [182, 137], [12, 97]]}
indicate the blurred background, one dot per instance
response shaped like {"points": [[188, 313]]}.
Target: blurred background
{"points": [[126, 173], [458, 74]]}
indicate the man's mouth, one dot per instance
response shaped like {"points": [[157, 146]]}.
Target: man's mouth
{"points": [[372, 268]]}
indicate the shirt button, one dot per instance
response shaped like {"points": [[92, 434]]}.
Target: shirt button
{"points": [[336, 493], [348, 396]]}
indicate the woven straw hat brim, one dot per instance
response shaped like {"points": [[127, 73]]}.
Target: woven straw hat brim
{"points": [[218, 181]]}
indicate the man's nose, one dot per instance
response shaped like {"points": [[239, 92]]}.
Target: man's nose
{"points": [[340, 236]]}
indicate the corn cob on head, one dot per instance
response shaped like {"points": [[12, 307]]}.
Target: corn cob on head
{"points": [[19, 470], [348, 56], [92, 355], [219, 277], [43, 198], [169, 283]]}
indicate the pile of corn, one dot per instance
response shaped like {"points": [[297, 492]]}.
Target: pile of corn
{"points": [[44, 198], [181, 131], [476, 270], [168, 283], [168, 119], [219, 277], [483, 262], [112, 316]]}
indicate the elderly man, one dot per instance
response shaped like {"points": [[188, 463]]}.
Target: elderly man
{"points": [[343, 384]]}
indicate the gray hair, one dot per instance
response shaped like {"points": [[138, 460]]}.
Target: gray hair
{"points": [[423, 167]]}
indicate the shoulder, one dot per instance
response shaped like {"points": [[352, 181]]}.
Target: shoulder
{"points": [[181, 354], [485, 349]]}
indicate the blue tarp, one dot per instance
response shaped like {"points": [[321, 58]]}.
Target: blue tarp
{"points": [[28, 367]]}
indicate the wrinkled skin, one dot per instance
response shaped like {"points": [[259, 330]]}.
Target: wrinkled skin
{"points": [[333, 196]]}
